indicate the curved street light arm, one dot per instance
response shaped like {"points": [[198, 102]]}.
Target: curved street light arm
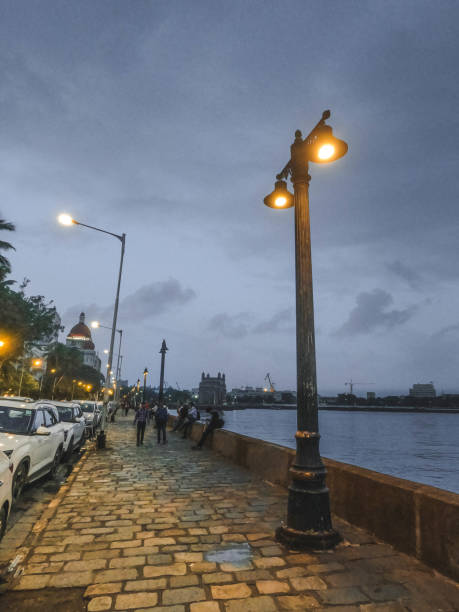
{"points": [[286, 170], [97, 229]]}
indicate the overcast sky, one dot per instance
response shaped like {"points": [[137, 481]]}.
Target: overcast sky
{"points": [[168, 120]]}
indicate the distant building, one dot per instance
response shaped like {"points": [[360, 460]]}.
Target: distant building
{"points": [[212, 390], [371, 395], [423, 390], [80, 338]]}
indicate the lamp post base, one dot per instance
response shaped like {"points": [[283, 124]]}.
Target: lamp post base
{"points": [[307, 540], [101, 439]]}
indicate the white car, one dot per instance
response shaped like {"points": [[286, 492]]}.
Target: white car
{"points": [[30, 435], [15, 398], [6, 483], [73, 425], [92, 416]]}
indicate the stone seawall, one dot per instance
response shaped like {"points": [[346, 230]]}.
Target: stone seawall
{"points": [[416, 519]]}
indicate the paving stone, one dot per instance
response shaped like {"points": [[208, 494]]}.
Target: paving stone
{"points": [[135, 600], [183, 581], [205, 606], [347, 595], [236, 567], [113, 575], [160, 559], [325, 568], [177, 569], [71, 579], [103, 589], [203, 567], [269, 562], [297, 602], [217, 578], [127, 562], [251, 604], [308, 583], [186, 595], [292, 572], [231, 591], [253, 575], [267, 587], [188, 557], [100, 603], [34, 581], [87, 564], [386, 592]]}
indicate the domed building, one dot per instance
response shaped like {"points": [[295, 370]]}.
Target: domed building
{"points": [[80, 338]]}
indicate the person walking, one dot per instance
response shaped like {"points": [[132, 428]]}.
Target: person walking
{"points": [[161, 415], [141, 420]]}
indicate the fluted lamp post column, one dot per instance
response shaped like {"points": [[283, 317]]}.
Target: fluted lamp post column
{"points": [[161, 375], [145, 373], [308, 523]]}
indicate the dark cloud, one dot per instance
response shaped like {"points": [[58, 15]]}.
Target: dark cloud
{"points": [[412, 278], [280, 321], [147, 302], [372, 313], [230, 326], [242, 324]]}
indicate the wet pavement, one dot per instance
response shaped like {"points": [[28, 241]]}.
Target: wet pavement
{"points": [[160, 527]]}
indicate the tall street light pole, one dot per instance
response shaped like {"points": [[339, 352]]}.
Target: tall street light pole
{"points": [[161, 377], [309, 523], [67, 220], [96, 325]]}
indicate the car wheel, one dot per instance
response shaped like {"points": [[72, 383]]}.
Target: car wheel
{"points": [[19, 480], [55, 463], [3, 519], [68, 454]]}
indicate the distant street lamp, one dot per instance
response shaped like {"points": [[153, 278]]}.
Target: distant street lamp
{"points": [[308, 516], [68, 220], [96, 325], [145, 372]]}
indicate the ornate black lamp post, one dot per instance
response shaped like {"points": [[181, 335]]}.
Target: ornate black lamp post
{"points": [[161, 376], [308, 515]]}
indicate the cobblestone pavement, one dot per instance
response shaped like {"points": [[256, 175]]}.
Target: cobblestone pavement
{"points": [[165, 528]]}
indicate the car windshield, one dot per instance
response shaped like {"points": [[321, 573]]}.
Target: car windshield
{"points": [[65, 413], [87, 407], [15, 420]]}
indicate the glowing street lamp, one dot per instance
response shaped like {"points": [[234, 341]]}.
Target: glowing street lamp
{"points": [[308, 515], [66, 219]]}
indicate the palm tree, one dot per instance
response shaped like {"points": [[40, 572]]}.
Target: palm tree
{"points": [[5, 266]]}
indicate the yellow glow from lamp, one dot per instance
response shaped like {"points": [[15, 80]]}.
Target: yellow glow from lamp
{"points": [[2, 343], [65, 219], [326, 151], [280, 201], [95, 324]]}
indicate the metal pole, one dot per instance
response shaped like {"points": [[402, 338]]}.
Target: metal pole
{"points": [[145, 372], [101, 435], [120, 331], [308, 514], [161, 377]]}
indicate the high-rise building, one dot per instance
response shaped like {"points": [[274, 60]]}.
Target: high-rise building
{"points": [[80, 338], [423, 390]]}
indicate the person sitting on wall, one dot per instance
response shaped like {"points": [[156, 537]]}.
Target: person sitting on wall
{"points": [[216, 422], [182, 413]]}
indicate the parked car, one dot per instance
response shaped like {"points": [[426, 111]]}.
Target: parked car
{"points": [[16, 398], [73, 424], [6, 482], [92, 416], [30, 435]]}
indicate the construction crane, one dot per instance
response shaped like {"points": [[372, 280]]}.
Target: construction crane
{"points": [[177, 385], [351, 385], [271, 384]]}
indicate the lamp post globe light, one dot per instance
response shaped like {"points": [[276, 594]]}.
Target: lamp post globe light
{"points": [[66, 219], [308, 523]]}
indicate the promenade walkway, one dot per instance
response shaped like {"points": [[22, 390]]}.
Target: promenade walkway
{"points": [[169, 529]]}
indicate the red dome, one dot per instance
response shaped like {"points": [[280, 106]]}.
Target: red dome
{"points": [[81, 331]]}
